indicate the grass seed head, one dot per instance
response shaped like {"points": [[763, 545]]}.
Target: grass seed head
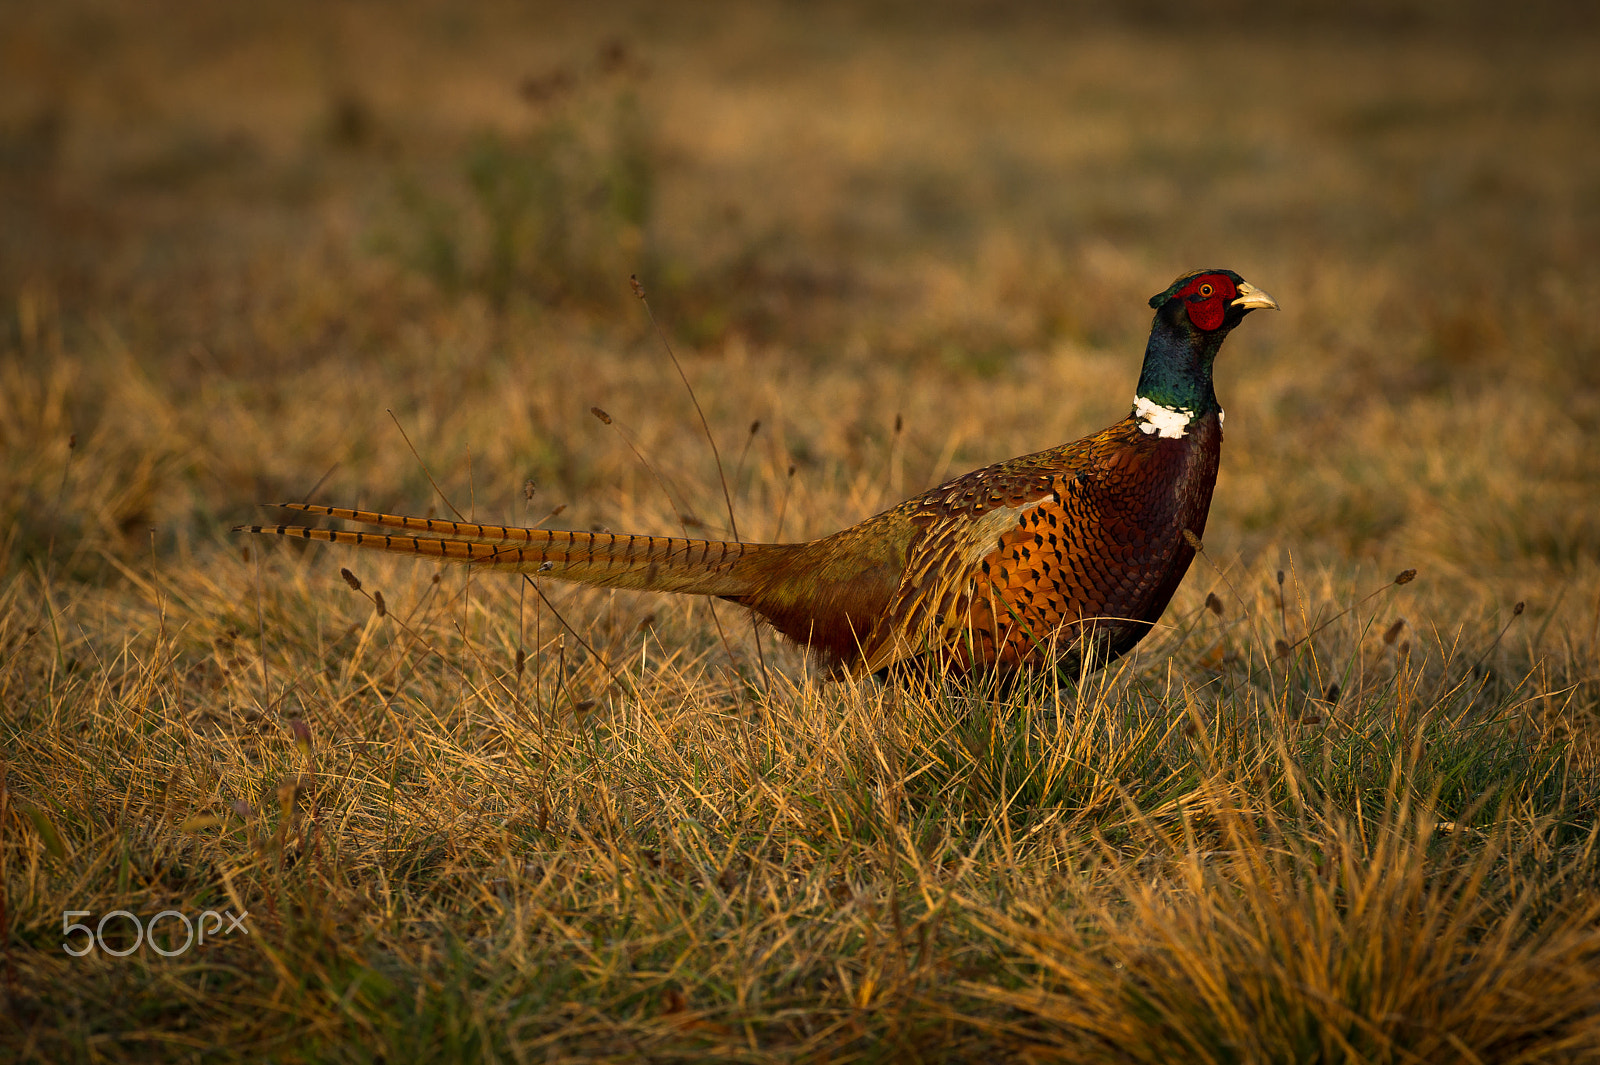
{"points": [[377, 601], [1392, 633], [350, 579], [1190, 538], [1214, 604], [602, 415], [1405, 576], [302, 735]]}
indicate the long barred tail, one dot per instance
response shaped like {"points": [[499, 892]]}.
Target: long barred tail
{"points": [[657, 563]]}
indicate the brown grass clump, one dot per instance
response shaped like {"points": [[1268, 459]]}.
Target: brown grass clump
{"points": [[1373, 943], [1324, 813]]}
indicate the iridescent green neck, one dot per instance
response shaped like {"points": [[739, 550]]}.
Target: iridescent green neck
{"points": [[1177, 366]]}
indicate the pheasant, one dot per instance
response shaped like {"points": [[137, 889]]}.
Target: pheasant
{"points": [[1051, 558]]}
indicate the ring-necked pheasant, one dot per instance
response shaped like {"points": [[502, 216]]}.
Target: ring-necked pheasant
{"points": [[1038, 559]]}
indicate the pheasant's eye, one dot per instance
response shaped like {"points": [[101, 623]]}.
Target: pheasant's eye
{"points": [[1206, 290]]}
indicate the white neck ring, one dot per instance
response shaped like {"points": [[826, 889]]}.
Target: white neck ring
{"points": [[1156, 420]]}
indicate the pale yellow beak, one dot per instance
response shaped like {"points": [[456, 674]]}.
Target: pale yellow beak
{"points": [[1252, 298]]}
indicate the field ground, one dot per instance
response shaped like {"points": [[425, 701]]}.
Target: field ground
{"points": [[1321, 815]]}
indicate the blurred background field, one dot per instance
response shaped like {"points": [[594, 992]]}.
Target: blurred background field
{"points": [[906, 240]]}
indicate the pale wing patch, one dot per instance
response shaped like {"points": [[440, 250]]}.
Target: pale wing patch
{"points": [[987, 530]]}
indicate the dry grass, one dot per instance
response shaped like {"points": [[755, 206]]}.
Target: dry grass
{"points": [[1319, 816]]}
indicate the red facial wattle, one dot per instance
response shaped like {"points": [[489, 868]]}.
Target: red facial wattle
{"points": [[1207, 298]]}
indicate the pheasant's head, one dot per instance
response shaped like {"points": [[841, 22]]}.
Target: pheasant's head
{"points": [[1210, 300], [1192, 317]]}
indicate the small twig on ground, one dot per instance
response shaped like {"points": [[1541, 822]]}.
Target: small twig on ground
{"points": [[425, 471], [727, 497]]}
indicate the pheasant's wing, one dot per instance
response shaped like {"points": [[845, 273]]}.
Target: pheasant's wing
{"points": [[969, 528], [1041, 584]]}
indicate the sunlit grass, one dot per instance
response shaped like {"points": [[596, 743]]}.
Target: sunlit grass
{"points": [[442, 855]]}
